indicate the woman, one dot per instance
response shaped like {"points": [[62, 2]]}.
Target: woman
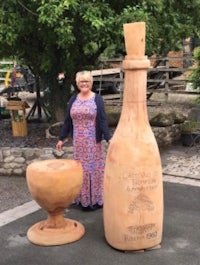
{"points": [[86, 122]]}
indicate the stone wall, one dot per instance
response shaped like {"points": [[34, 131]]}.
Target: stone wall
{"points": [[13, 161]]}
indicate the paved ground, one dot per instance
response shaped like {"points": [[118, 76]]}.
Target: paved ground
{"points": [[181, 233], [180, 245], [182, 163]]}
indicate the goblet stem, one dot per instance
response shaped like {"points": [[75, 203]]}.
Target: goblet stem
{"points": [[54, 220]]}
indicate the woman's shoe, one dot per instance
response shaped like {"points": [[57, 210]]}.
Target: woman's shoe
{"points": [[96, 206], [86, 209], [92, 208]]}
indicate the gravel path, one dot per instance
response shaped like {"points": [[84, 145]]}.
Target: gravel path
{"points": [[36, 135]]}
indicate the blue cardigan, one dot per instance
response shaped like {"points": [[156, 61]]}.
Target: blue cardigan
{"points": [[102, 130]]}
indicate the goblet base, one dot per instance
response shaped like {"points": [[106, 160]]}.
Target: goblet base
{"points": [[43, 235]]}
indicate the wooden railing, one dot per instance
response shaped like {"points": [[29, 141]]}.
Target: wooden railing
{"points": [[5, 66], [164, 78]]}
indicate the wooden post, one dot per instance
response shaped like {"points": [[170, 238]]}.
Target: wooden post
{"points": [[167, 82]]}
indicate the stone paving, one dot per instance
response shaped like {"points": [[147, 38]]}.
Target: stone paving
{"points": [[181, 164]]}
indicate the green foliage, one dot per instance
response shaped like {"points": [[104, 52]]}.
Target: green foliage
{"points": [[190, 126], [194, 77], [196, 55], [53, 36]]}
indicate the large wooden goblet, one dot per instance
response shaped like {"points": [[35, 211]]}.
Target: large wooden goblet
{"points": [[54, 184]]}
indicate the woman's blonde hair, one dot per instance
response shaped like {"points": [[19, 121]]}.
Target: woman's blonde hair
{"points": [[86, 74]]}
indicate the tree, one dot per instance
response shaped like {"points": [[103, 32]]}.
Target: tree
{"points": [[53, 36]]}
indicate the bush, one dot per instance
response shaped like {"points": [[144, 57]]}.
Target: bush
{"points": [[190, 126], [194, 77]]}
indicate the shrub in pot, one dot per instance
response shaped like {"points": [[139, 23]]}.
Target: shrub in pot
{"points": [[190, 133]]}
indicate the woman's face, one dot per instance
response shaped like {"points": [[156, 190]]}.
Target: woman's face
{"points": [[84, 84]]}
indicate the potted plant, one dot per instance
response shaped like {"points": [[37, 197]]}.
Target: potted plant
{"points": [[190, 132]]}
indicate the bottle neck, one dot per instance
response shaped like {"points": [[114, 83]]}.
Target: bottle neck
{"points": [[135, 82]]}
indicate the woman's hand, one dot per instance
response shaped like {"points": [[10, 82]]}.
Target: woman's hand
{"points": [[59, 145], [110, 141]]}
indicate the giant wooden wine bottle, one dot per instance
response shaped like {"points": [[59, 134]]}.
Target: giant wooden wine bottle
{"points": [[133, 189]]}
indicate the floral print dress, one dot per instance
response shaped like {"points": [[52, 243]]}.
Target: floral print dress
{"points": [[88, 152]]}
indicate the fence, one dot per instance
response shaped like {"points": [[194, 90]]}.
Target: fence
{"points": [[5, 67], [166, 75], [169, 76]]}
